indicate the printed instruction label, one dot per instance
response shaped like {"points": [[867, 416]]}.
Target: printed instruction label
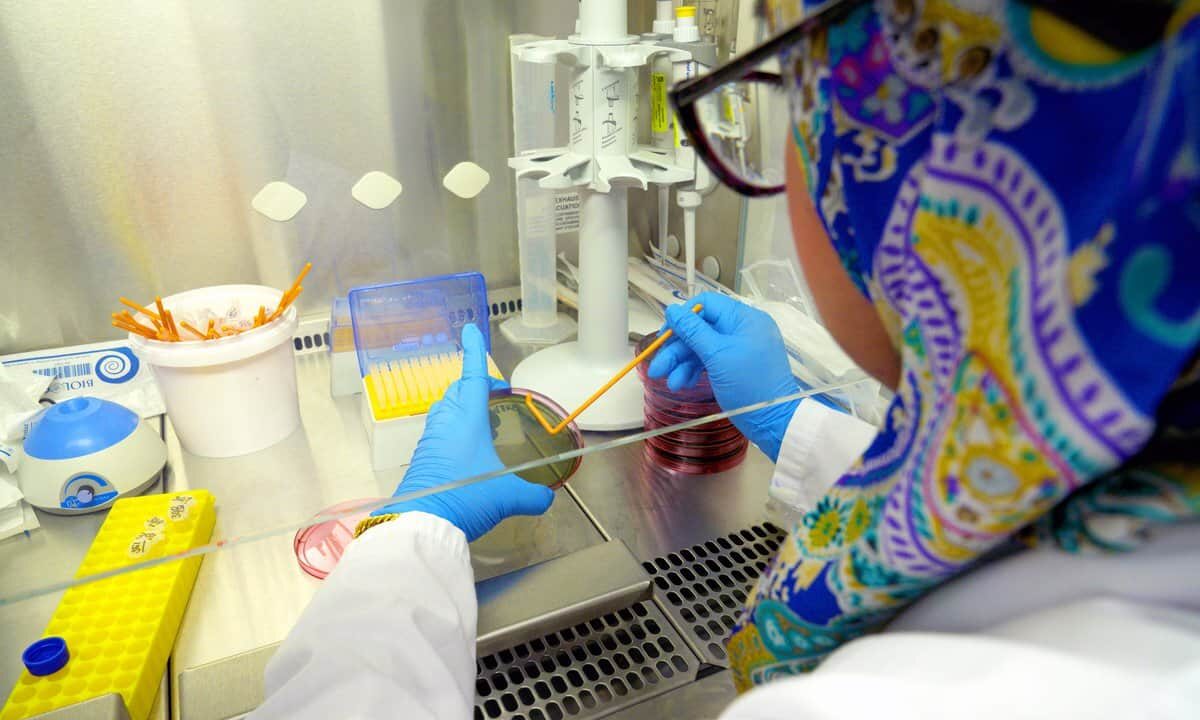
{"points": [[566, 212], [659, 114]]}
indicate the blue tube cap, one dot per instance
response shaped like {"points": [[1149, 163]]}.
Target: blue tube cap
{"points": [[46, 656]]}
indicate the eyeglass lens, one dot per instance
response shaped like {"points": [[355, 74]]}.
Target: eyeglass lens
{"points": [[744, 123]]}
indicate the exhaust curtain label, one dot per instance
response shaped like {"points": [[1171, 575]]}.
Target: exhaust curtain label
{"points": [[566, 212]]}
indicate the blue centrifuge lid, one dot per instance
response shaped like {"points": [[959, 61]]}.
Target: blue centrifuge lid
{"points": [[79, 426], [46, 656], [407, 319]]}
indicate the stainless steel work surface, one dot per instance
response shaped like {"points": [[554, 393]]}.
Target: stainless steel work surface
{"points": [[656, 512], [248, 597], [525, 603]]}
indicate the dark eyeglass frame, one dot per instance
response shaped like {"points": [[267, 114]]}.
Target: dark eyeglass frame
{"points": [[1127, 25]]}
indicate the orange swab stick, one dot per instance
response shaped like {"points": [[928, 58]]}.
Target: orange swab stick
{"points": [[119, 321], [285, 301], [650, 350], [300, 277], [168, 323], [172, 328], [187, 326], [129, 320], [136, 329], [148, 336], [134, 306], [291, 292]]}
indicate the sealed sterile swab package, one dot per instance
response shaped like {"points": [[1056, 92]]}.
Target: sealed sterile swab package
{"points": [[20, 390], [107, 370]]}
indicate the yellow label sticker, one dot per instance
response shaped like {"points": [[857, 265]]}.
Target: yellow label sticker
{"points": [[659, 113]]}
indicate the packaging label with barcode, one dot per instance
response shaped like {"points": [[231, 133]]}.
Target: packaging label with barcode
{"points": [[108, 370]]}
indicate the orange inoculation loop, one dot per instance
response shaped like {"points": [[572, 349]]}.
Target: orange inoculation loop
{"points": [[650, 350]]}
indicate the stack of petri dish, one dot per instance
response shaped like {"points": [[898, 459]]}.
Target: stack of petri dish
{"points": [[708, 448]]}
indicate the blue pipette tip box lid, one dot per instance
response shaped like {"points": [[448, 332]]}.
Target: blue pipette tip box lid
{"points": [[411, 318]]}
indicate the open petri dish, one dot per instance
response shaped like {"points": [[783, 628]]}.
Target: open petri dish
{"points": [[519, 438], [319, 547]]}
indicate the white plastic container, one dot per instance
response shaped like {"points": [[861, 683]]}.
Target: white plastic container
{"points": [[231, 396]]}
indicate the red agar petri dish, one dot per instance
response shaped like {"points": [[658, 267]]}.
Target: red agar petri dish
{"points": [[711, 447], [687, 466], [319, 547]]}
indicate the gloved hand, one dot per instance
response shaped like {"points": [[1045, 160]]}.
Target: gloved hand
{"points": [[456, 445], [745, 357]]}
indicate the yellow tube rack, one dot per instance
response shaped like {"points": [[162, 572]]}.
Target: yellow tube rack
{"points": [[120, 630]]}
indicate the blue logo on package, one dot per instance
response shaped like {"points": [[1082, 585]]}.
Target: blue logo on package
{"points": [[86, 490], [117, 366]]}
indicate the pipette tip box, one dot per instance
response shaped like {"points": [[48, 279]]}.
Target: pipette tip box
{"points": [[408, 339]]}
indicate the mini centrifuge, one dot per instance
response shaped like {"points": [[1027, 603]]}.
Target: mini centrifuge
{"points": [[85, 453]]}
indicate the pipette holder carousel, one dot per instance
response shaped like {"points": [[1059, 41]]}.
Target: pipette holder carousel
{"points": [[602, 160]]}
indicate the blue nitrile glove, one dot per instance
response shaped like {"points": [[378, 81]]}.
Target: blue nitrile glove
{"points": [[745, 357], [457, 444]]}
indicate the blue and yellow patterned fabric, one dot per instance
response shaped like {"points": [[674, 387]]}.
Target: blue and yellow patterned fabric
{"points": [[1021, 203]]}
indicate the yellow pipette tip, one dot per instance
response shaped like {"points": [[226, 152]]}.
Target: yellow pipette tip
{"points": [[411, 386]]}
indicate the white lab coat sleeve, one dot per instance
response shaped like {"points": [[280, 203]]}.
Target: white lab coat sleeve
{"points": [[1098, 658], [390, 634], [819, 446]]}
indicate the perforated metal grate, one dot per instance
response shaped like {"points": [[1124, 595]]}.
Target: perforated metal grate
{"points": [[705, 586], [585, 671]]}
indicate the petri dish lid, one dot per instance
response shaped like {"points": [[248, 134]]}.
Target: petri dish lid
{"points": [[520, 438], [400, 320], [319, 547]]}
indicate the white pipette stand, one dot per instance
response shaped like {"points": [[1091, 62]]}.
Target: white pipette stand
{"points": [[603, 160]]}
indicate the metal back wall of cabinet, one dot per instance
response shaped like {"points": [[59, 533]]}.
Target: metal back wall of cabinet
{"points": [[133, 138], [719, 218]]}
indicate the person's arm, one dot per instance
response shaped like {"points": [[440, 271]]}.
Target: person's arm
{"points": [[390, 633], [742, 351], [747, 363], [820, 444]]}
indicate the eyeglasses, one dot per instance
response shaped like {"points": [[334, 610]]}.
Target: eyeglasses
{"points": [[718, 111], [721, 112]]}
